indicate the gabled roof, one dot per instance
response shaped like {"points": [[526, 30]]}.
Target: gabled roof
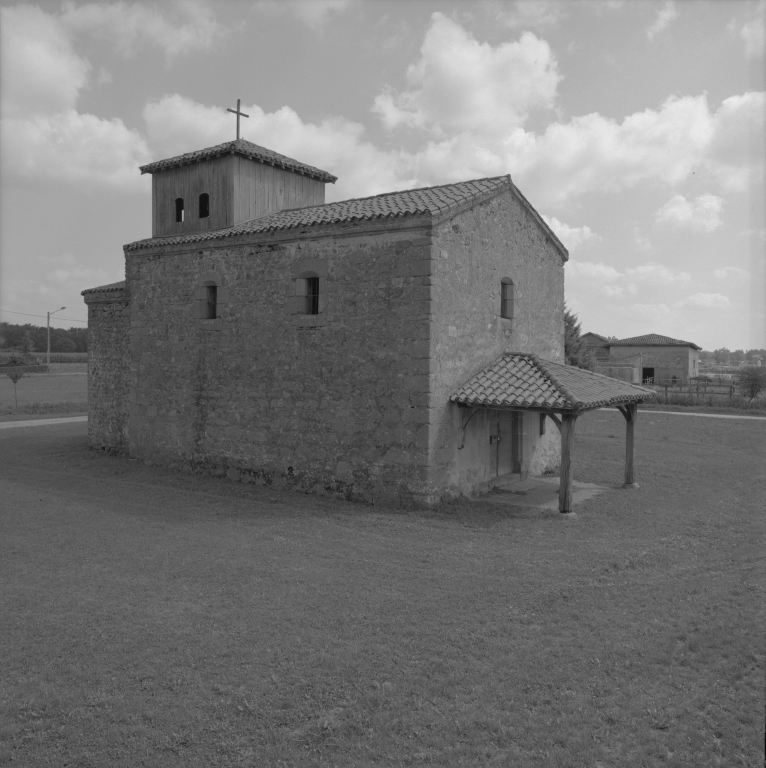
{"points": [[104, 288], [433, 201], [523, 380], [246, 149], [595, 335], [652, 340]]}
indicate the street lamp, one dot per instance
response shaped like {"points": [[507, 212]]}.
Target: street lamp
{"points": [[48, 361]]}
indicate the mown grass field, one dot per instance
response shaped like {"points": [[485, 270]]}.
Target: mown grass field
{"points": [[64, 390], [157, 619]]}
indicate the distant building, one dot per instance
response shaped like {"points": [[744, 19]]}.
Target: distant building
{"points": [[656, 359], [599, 346]]}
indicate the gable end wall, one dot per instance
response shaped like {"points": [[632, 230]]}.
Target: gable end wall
{"points": [[473, 251]]}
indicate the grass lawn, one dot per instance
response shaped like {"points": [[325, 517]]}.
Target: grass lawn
{"points": [[158, 619], [64, 390]]}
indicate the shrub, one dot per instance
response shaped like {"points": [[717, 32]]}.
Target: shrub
{"points": [[752, 381]]}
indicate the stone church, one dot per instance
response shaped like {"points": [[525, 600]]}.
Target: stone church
{"points": [[403, 348]]}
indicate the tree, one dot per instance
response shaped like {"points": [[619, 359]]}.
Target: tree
{"points": [[722, 356], [27, 345], [752, 381], [576, 351], [14, 376]]}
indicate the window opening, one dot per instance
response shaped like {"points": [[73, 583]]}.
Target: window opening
{"points": [[507, 291], [204, 205], [212, 301], [179, 209], [647, 375], [312, 295]]}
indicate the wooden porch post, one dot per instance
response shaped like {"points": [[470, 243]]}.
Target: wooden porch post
{"points": [[630, 412], [567, 449]]}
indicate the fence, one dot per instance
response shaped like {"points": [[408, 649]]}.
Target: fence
{"points": [[701, 391]]}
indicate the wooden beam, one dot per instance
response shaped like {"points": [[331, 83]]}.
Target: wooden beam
{"points": [[567, 450], [555, 419], [631, 412]]}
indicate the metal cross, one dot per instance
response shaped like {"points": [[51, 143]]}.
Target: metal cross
{"points": [[237, 113]]}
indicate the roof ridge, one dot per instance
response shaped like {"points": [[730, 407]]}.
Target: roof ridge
{"points": [[422, 189], [568, 395]]}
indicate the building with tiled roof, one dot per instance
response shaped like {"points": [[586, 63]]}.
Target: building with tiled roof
{"points": [[652, 340], [357, 348], [654, 359]]}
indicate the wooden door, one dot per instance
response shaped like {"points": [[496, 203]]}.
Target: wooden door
{"points": [[504, 443]]}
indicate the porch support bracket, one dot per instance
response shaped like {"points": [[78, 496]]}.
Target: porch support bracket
{"points": [[466, 414]]}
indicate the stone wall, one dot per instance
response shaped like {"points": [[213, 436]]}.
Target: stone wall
{"points": [[335, 402], [108, 368], [472, 253]]}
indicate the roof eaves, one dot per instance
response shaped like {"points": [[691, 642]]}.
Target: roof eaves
{"points": [[105, 288], [238, 230]]}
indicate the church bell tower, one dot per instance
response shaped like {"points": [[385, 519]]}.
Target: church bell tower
{"points": [[228, 184]]}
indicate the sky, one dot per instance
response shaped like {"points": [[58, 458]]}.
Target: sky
{"points": [[635, 128]]}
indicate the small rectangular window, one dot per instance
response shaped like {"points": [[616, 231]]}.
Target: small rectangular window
{"points": [[507, 299], [212, 301], [542, 423], [179, 209], [312, 295], [204, 205]]}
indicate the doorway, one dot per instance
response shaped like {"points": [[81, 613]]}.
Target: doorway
{"points": [[505, 443]]}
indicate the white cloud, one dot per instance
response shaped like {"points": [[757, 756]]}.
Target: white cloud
{"points": [[42, 134], [592, 271], [726, 272], [595, 153], [605, 280], [460, 84], [572, 237], [700, 215], [39, 68], [530, 14], [313, 13], [735, 153], [704, 301], [176, 124], [653, 313], [74, 147], [665, 16], [752, 31], [656, 273], [180, 27]]}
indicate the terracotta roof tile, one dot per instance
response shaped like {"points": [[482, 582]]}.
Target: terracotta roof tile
{"points": [[247, 149], [652, 340], [105, 288], [427, 200], [524, 380]]}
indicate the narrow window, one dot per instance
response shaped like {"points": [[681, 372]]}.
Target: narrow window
{"points": [[212, 301], [507, 290], [179, 209], [204, 205], [543, 417], [312, 295]]}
